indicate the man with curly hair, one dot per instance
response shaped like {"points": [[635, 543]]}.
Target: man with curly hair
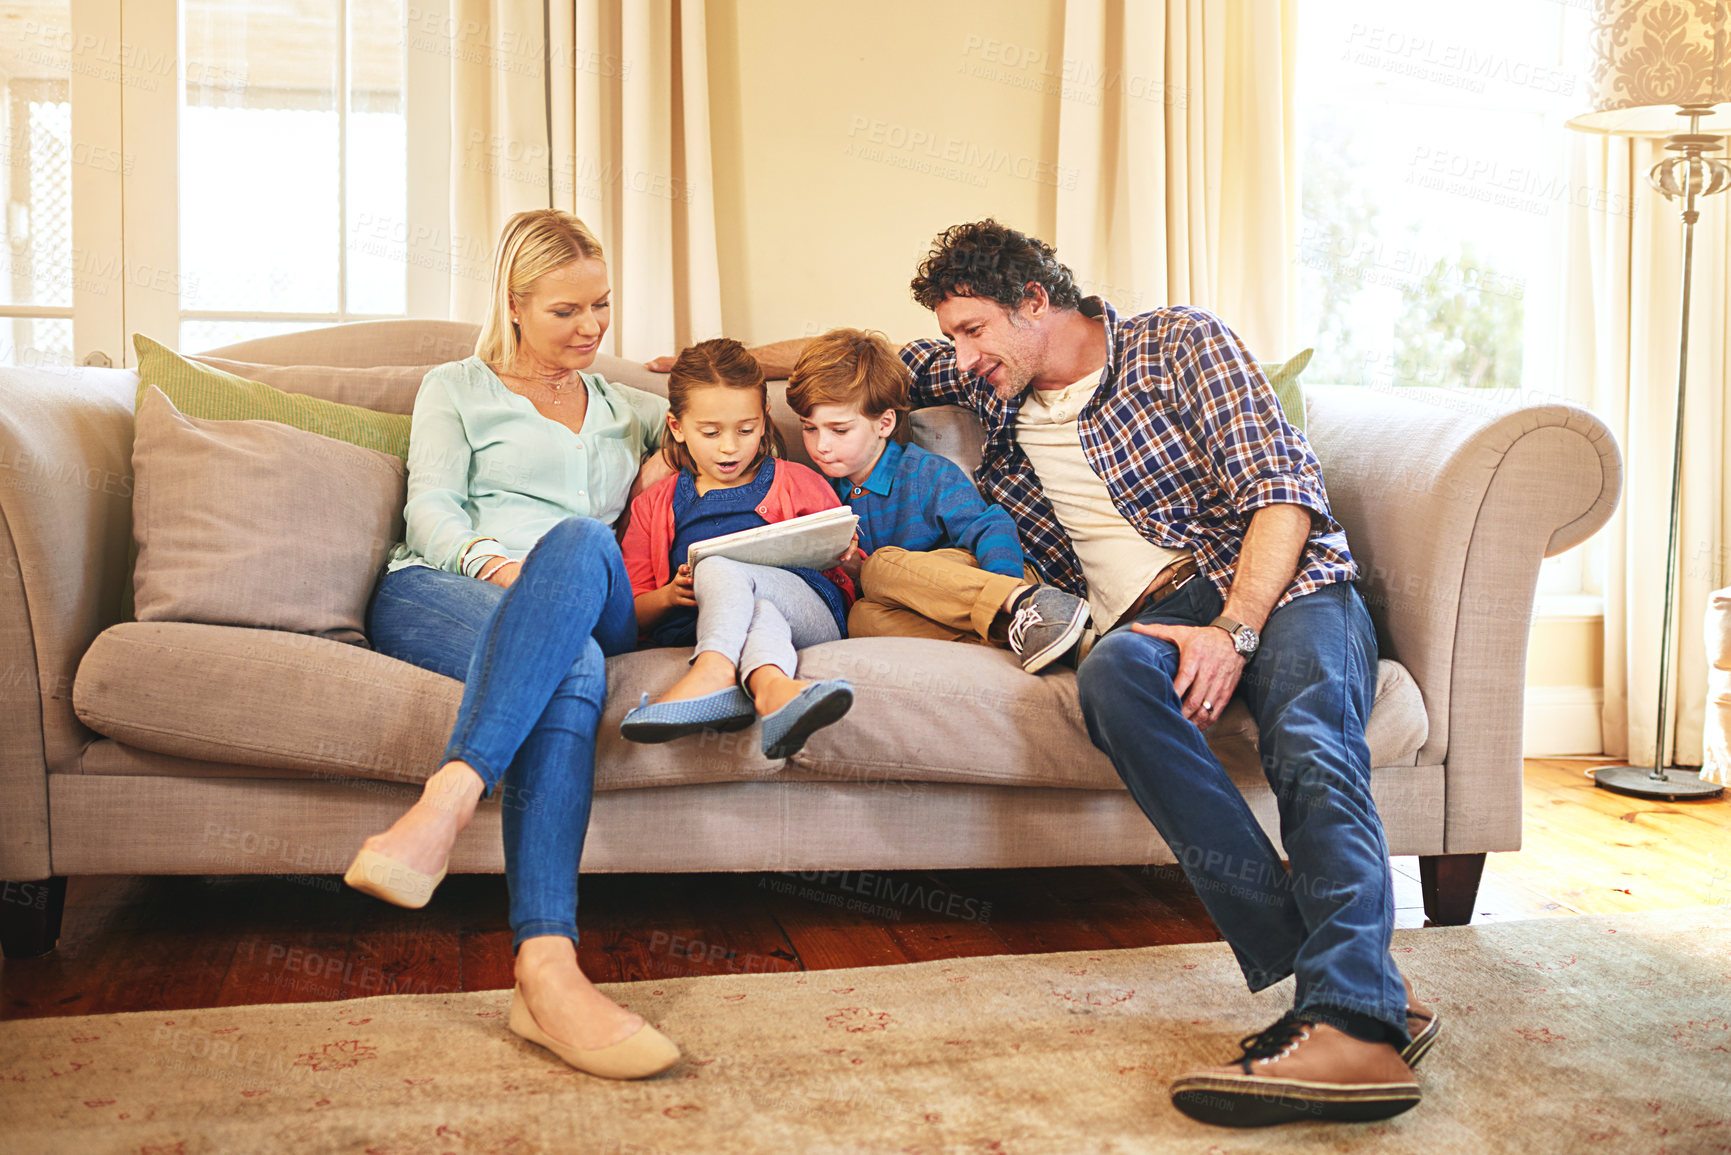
{"points": [[1148, 468]]}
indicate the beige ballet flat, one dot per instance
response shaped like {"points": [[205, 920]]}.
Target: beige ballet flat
{"points": [[384, 877], [646, 1052]]}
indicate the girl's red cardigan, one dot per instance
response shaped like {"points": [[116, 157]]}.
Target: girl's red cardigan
{"points": [[795, 491]]}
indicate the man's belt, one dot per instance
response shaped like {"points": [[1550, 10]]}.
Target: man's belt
{"points": [[1166, 583]]}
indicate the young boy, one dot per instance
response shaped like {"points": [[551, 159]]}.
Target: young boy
{"points": [[939, 562]]}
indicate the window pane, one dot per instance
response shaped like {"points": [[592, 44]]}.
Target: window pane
{"points": [[378, 159], [35, 341], [259, 228], [36, 165], [1433, 189], [202, 336]]}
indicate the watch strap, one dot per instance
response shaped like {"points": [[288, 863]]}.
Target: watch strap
{"points": [[1244, 639]]}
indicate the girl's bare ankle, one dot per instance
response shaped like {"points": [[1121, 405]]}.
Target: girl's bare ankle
{"points": [[771, 691]]}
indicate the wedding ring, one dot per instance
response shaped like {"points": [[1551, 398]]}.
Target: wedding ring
{"points": [[1209, 706]]}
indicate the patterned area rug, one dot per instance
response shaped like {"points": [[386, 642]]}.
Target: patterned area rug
{"points": [[1566, 1035]]}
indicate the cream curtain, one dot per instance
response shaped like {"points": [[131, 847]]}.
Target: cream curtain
{"points": [[1179, 124], [1620, 320], [601, 108], [630, 141], [498, 134]]}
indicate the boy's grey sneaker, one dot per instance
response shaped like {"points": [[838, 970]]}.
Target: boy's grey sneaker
{"points": [[1046, 625]]}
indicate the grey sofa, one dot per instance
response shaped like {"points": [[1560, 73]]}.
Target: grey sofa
{"points": [[167, 748]]}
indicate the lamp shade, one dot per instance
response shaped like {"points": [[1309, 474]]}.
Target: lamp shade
{"points": [[1650, 57]]}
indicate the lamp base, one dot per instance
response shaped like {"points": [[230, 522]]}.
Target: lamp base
{"points": [[1671, 784]]}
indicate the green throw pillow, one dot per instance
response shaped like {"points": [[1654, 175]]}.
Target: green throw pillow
{"points": [[1284, 378], [200, 391]]}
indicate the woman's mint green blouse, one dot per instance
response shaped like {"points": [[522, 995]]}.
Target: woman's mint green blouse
{"points": [[485, 467]]}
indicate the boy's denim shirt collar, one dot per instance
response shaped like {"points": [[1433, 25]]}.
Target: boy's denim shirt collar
{"points": [[883, 474]]}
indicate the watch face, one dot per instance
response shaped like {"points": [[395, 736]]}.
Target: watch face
{"points": [[1247, 640]]}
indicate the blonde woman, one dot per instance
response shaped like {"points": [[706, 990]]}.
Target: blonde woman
{"points": [[510, 579]]}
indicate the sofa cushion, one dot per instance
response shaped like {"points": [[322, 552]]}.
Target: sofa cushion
{"points": [[253, 523], [977, 717], [949, 431], [925, 711], [201, 391], [385, 389], [419, 341], [265, 698], [1284, 379]]}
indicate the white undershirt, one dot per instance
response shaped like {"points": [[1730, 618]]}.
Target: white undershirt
{"points": [[1117, 561]]}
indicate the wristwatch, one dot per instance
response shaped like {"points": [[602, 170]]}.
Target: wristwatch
{"points": [[1244, 639]]}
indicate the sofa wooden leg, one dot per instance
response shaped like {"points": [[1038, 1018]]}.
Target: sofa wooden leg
{"points": [[30, 916], [1451, 886]]}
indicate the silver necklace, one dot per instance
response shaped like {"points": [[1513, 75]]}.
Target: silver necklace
{"points": [[558, 391]]}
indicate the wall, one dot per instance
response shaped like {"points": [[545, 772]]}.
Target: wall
{"points": [[1566, 651], [1565, 694], [846, 137]]}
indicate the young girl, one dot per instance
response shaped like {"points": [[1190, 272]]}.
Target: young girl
{"points": [[745, 621]]}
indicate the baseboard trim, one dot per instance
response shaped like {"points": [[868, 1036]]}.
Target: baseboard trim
{"points": [[1563, 720]]}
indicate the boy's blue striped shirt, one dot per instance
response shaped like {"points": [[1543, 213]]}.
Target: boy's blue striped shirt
{"points": [[920, 501]]}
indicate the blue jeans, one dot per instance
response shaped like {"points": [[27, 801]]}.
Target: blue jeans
{"points": [[1310, 688], [533, 663]]}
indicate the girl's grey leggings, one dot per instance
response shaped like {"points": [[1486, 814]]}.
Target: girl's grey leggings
{"points": [[757, 615]]}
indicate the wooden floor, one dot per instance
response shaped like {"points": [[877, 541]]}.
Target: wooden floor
{"points": [[133, 944]]}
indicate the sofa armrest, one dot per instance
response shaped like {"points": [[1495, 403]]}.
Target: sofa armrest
{"points": [[65, 525], [1450, 505]]}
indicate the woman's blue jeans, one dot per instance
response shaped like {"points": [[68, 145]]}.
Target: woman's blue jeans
{"points": [[533, 663], [1310, 688]]}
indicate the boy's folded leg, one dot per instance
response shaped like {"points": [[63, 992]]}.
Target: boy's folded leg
{"points": [[944, 586], [872, 619]]}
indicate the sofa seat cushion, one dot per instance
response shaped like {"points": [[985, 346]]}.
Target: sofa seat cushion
{"points": [[925, 711], [265, 698], [947, 712]]}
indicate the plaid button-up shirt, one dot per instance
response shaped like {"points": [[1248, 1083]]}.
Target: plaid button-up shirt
{"points": [[1184, 429]]}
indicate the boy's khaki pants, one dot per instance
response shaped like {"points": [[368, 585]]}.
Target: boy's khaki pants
{"points": [[940, 593]]}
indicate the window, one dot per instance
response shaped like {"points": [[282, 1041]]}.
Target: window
{"points": [[1434, 198], [292, 141], [208, 171], [36, 186]]}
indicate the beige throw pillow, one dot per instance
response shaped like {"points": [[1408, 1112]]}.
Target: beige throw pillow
{"points": [[255, 523]]}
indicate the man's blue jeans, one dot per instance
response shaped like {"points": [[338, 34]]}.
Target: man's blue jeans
{"points": [[1310, 688], [533, 663]]}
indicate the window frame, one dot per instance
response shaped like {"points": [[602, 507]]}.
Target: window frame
{"points": [[126, 222]]}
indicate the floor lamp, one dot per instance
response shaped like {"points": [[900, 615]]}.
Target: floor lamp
{"points": [[1654, 61]]}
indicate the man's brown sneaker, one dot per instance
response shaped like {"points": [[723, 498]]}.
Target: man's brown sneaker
{"points": [[1422, 1023], [1298, 1070]]}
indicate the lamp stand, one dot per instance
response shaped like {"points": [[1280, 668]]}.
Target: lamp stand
{"points": [[1684, 178]]}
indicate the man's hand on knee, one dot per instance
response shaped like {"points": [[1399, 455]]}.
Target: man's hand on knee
{"points": [[1208, 668]]}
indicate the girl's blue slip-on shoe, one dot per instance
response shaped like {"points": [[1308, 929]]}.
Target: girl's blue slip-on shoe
{"points": [[819, 704], [728, 709]]}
